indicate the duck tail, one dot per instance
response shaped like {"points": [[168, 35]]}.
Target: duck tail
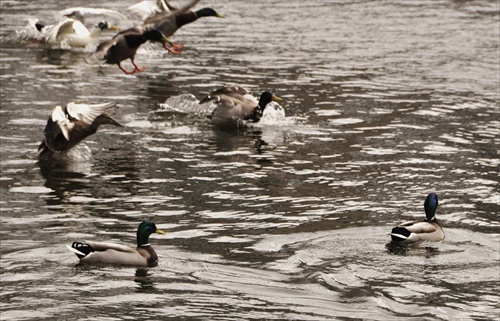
{"points": [[42, 149], [399, 234], [206, 99], [39, 26], [80, 249], [105, 119]]}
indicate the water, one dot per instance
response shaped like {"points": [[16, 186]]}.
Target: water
{"points": [[285, 220]]}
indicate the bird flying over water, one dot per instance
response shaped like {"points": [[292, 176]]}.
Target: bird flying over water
{"points": [[124, 45], [67, 126], [169, 22]]}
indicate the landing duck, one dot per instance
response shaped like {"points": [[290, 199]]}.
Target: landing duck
{"points": [[124, 46], [73, 33], [236, 103], [67, 126], [110, 253], [169, 22], [427, 230]]}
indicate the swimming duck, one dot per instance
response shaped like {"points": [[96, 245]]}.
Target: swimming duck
{"points": [[110, 253], [427, 230], [168, 23], [73, 33], [68, 126], [235, 103], [124, 45]]}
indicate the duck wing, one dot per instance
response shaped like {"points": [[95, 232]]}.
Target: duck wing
{"points": [[150, 8], [62, 123], [109, 253], [169, 17], [417, 231], [419, 227], [88, 113], [230, 92]]}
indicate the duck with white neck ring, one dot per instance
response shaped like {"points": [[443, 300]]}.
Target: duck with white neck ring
{"points": [[110, 253]]}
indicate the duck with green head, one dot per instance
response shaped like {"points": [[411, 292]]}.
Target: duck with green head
{"points": [[168, 23], [427, 230], [235, 103], [110, 253]]}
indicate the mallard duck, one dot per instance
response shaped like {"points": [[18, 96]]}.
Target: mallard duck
{"points": [[109, 253], [73, 33], [68, 126], [124, 45], [168, 23], [235, 103], [427, 230]]}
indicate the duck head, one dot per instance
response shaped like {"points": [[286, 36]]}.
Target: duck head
{"points": [[104, 25], [430, 205], [208, 12], [145, 229], [266, 97]]}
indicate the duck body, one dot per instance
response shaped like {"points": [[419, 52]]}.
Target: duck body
{"points": [[68, 126], [124, 45], [235, 103], [427, 230], [110, 253]]}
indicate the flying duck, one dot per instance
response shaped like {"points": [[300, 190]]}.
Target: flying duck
{"points": [[168, 22], [124, 46], [67, 126]]}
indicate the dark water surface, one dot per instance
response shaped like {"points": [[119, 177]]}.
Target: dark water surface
{"points": [[385, 102]]}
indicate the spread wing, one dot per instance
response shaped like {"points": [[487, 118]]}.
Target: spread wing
{"points": [[156, 19], [82, 13], [63, 123], [149, 8], [88, 113]]}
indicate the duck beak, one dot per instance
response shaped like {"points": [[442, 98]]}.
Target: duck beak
{"points": [[275, 98], [165, 39], [115, 28], [219, 15], [159, 231]]}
